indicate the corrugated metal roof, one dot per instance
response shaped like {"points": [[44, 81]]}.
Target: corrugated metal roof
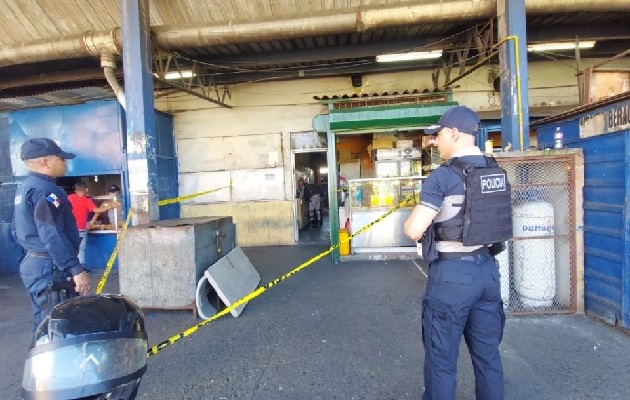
{"points": [[582, 109], [407, 97], [44, 19], [534, 112], [355, 95], [55, 98]]}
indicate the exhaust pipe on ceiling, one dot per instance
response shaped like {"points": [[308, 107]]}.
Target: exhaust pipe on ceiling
{"points": [[171, 37], [108, 63], [89, 44], [167, 37]]}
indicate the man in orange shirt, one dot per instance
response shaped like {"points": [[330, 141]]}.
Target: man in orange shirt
{"points": [[82, 206]]}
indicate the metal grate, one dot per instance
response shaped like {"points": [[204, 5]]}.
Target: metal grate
{"points": [[538, 269]]}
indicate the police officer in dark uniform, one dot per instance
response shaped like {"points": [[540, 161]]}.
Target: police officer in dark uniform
{"points": [[463, 296], [45, 228]]}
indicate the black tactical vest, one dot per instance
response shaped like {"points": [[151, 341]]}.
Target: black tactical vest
{"points": [[486, 215]]}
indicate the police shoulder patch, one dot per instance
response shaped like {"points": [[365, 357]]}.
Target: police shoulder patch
{"points": [[53, 199]]}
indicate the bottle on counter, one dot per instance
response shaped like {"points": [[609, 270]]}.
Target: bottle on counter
{"points": [[558, 139]]}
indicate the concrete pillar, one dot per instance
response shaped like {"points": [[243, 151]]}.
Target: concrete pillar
{"points": [[511, 23], [140, 114]]}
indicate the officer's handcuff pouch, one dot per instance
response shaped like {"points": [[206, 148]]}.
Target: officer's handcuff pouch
{"points": [[429, 248]]}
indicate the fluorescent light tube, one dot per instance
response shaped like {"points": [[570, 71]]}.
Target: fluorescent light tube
{"points": [[178, 75], [587, 44], [414, 55]]}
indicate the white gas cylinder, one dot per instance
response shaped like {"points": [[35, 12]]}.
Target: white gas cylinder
{"points": [[534, 259]]}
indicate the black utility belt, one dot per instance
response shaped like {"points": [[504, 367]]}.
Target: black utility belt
{"points": [[448, 256]]}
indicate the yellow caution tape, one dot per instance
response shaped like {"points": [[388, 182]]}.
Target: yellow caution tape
{"points": [[155, 349], [112, 257], [190, 196]]}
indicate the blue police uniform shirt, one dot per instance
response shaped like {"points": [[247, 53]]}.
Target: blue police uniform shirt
{"points": [[44, 221], [444, 192]]}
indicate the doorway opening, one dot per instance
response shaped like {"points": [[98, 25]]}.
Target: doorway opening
{"points": [[311, 208]]}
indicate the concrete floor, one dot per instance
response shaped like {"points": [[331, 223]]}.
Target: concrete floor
{"points": [[316, 236], [340, 331]]}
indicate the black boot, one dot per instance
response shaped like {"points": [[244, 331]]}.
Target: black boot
{"points": [[314, 223]]}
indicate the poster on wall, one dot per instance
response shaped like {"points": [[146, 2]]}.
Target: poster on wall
{"points": [[592, 125]]}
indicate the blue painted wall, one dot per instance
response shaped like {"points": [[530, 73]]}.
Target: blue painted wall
{"points": [[606, 201], [92, 131], [10, 251], [95, 133], [168, 186]]}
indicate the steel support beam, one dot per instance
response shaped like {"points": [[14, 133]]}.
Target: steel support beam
{"points": [[337, 70], [479, 40], [197, 84], [513, 60], [140, 113], [333, 182]]}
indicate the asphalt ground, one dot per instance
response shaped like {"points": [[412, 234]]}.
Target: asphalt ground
{"points": [[339, 331]]}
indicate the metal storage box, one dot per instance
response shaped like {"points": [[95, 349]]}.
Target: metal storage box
{"points": [[160, 263]]}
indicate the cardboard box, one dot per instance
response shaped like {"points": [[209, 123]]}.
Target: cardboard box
{"points": [[384, 135], [382, 143], [345, 154], [404, 144]]}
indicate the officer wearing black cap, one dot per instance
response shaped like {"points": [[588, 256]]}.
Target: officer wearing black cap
{"points": [[463, 295], [45, 227]]}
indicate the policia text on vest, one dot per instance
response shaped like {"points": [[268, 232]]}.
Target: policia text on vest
{"points": [[486, 216]]}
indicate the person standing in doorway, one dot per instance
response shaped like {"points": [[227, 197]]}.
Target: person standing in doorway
{"points": [[45, 228], [313, 195], [82, 206], [463, 295]]}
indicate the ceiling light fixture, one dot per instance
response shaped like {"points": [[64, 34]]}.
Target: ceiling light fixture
{"points": [[587, 44], [411, 56], [178, 75]]}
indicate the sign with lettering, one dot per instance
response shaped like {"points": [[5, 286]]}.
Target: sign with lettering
{"points": [[545, 228], [493, 183], [619, 118], [614, 120]]}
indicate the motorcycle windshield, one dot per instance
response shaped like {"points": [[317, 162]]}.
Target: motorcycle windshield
{"points": [[85, 368]]}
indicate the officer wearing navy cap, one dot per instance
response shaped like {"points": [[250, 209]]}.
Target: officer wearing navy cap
{"points": [[45, 227], [463, 295]]}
